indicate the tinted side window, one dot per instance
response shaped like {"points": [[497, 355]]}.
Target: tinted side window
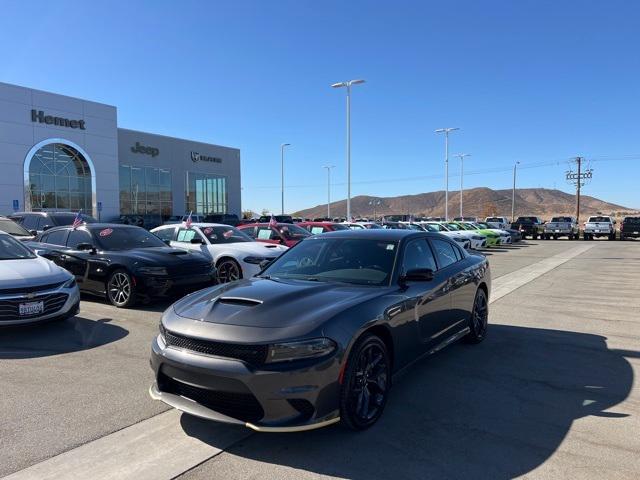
{"points": [[251, 231], [418, 254], [76, 237], [165, 234], [55, 238], [30, 222], [445, 253]]}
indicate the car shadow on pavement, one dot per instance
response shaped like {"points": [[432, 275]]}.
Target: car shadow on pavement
{"points": [[496, 410], [57, 337], [159, 304]]}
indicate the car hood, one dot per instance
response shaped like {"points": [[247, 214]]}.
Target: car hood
{"points": [[259, 249], [167, 256], [272, 303], [29, 272]]}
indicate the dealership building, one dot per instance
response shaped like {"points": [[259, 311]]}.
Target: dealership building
{"points": [[65, 153]]}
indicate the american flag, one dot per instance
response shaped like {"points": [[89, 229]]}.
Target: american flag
{"points": [[77, 221], [188, 222], [272, 222]]}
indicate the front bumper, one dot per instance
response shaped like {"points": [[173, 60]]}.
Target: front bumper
{"points": [[51, 299], [277, 398], [598, 232], [477, 244]]}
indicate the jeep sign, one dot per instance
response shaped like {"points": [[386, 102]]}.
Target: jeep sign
{"points": [[196, 157], [154, 152]]}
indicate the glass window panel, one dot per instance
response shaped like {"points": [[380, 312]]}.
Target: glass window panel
{"points": [[151, 175], [165, 178]]}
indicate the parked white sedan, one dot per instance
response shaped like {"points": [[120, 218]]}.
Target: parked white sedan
{"points": [[32, 288], [235, 254]]}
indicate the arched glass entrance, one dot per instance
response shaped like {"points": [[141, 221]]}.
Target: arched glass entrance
{"points": [[59, 177]]}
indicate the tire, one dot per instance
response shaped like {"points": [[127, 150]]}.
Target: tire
{"points": [[622, 237], [362, 399], [612, 236], [228, 270], [479, 321], [121, 291]]}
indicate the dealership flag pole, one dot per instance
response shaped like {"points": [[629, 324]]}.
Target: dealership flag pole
{"points": [[328, 167], [282, 176]]}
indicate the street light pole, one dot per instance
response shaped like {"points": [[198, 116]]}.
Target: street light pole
{"points": [[282, 176], [348, 86], [446, 167], [461, 157], [328, 167], [513, 193]]}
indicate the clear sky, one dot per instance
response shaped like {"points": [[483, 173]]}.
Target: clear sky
{"points": [[535, 81]]}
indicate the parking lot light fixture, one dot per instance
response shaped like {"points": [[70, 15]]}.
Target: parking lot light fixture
{"points": [[446, 132], [282, 176], [348, 85], [328, 167], [461, 157]]}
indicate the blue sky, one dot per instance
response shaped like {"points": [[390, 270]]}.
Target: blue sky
{"points": [[534, 81]]}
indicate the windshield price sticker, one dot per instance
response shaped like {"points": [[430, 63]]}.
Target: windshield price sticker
{"points": [[106, 232]]}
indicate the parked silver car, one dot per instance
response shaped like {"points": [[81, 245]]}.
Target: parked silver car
{"points": [[32, 288]]}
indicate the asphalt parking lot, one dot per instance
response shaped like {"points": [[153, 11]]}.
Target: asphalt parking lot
{"points": [[549, 394]]}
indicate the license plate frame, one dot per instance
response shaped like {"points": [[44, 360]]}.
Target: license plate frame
{"points": [[28, 309]]}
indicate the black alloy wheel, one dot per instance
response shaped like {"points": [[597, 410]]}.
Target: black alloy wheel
{"points": [[121, 291], [479, 318], [365, 384], [228, 270]]}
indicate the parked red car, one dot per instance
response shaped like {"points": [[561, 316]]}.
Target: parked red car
{"points": [[322, 227], [281, 233]]}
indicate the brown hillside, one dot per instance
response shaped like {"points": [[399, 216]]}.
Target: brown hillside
{"points": [[478, 202]]}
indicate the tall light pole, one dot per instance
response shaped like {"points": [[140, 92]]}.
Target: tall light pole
{"points": [[328, 167], [513, 193], [375, 203], [348, 86], [461, 157], [282, 176], [446, 167]]}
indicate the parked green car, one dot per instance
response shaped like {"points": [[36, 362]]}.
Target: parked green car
{"points": [[492, 237]]}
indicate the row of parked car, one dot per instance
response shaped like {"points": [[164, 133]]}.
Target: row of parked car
{"points": [[597, 226]]}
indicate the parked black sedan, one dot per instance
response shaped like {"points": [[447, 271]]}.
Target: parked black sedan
{"points": [[123, 262], [316, 337]]}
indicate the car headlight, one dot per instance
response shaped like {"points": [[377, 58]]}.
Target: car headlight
{"points": [[152, 271], [70, 283], [317, 347], [254, 260], [478, 237]]}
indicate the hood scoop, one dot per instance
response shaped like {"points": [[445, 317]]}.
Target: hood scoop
{"points": [[179, 252], [241, 301]]}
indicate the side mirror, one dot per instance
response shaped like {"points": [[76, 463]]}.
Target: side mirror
{"points": [[197, 241], [417, 275], [33, 232], [167, 242], [85, 247], [46, 227]]}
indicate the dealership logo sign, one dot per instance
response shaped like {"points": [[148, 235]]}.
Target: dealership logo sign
{"points": [[153, 151], [196, 157], [40, 117]]}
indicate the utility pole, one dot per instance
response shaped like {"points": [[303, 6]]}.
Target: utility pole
{"points": [[328, 167], [578, 179], [513, 193]]}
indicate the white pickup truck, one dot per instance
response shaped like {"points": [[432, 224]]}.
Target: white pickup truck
{"points": [[600, 226]]}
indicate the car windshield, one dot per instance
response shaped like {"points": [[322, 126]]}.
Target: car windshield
{"points": [[432, 228], [561, 219], [293, 232], [125, 238], [12, 228], [221, 234], [600, 219], [454, 227], [494, 219], [633, 220], [347, 260], [527, 219], [340, 226], [483, 225], [12, 249], [61, 220], [373, 226]]}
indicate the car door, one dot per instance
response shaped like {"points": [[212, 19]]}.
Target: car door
{"points": [[185, 237], [264, 233], [429, 300], [51, 245], [77, 261]]}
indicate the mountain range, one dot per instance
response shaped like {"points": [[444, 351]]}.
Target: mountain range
{"points": [[477, 202]]}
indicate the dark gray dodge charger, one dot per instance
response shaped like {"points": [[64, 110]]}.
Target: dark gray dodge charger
{"points": [[317, 336]]}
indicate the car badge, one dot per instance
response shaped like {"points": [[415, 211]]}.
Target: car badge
{"points": [[30, 296]]}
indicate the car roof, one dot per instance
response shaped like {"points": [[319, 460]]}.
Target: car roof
{"points": [[91, 226], [378, 234]]}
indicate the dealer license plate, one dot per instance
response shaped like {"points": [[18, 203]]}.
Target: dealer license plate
{"points": [[31, 308], [597, 231], [557, 231]]}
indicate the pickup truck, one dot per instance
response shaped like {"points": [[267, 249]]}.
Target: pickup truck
{"points": [[630, 228], [600, 226], [529, 226], [498, 222], [561, 227]]}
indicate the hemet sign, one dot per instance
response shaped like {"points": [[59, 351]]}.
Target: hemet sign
{"points": [[196, 157], [39, 116]]}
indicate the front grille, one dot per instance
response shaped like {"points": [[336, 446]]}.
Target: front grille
{"points": [[239, 405], [30, 289], [10, 309], [253, 354], [191, 268]]}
